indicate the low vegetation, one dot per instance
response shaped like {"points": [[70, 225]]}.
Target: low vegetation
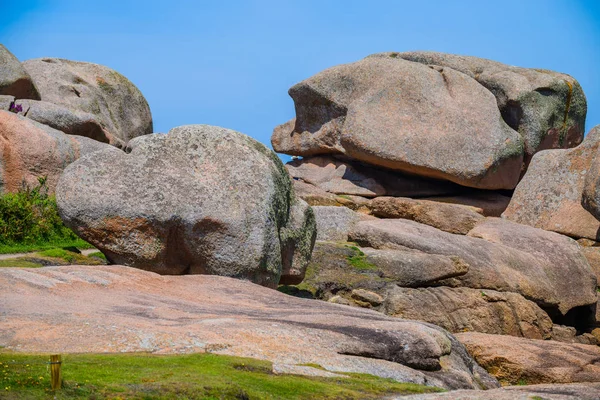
{"points": [[192, 376], [29, 221]]}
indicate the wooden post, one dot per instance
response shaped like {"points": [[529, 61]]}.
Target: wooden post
{"points": [[55, 372]]}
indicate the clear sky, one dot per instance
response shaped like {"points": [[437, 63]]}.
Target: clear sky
{"points": [[230, 63]]}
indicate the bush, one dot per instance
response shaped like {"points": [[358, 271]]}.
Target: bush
{"points": [[30, 217]]}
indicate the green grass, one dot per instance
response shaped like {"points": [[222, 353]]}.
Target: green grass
{"points": [[98, 254], [30, 247], [192, 376], [359, 260], [17, 263]]}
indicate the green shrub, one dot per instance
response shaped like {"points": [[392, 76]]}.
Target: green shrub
{"points": [[30, 217]]}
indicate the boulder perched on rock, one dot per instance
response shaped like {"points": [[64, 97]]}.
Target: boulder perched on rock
{"points": [[516, 360], [30, 150], [429, 121], [14, 80], [549, 195], [89, 90], [199, 200], [544, 267], [347, 177], [547, 108], [120, 309]]}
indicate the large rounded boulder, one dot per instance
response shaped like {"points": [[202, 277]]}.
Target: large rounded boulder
{"points": [[14, 80], [109, 105], [199, 200]]}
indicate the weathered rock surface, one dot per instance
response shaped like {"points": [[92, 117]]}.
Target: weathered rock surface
{"points": [[544, 267], [491, 204], [549, 195], [547, 108], [451, 218], [515, 360], [590, 199], [199, 200], [117, 309], [464, 309], [72, 122], [29, 150], [403, 280], [572, 391], [334, 223], [405, 116], [14, 80], [347, 177], [116, 104]]}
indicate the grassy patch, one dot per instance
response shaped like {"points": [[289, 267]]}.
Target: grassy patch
{"points": [[192, 376], [17, 263], [359, 260], [29, 221], [98, 254]]}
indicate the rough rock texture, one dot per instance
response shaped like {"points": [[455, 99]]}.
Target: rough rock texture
{"points": [[334, 223], [429, 121], [591, 187], [547, 108], [29, 150], [549, 195], [544, 267], [516, 360], [199, 200], [116, 104], [464, 309], [403, 280], [5, 102], [14, 80], [451, 218], [117, 309], [72, 122], [491, 204], [572, 391], [347, 177]]}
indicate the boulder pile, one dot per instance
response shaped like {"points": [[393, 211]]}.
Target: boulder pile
{"points": [[65, 109]]}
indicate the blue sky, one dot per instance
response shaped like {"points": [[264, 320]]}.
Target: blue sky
{"points": [[230, 63]]}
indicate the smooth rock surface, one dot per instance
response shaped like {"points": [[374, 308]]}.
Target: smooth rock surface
{"points": [[547, 108], [515, 360], [549, 195], [116, 103], [347, 177], [14, 80], [491, 204], [334, 223], [199, 200], [29, 151], [429, 121], [544, 267], [452, 218], [121, 309]]}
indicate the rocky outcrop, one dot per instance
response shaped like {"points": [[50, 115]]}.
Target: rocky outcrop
{"points": [[93, 99], [346, 177], [514, 360], [544, 267], [199, 200], [14, 80], [120, 309], [453, 218], [30, 151], [550, 194], [547, 108], [408, 117]]}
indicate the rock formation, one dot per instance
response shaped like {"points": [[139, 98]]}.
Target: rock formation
{"points": [[199, 200]]}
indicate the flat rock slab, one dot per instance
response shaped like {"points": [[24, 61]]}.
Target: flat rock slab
{"points": [[516, 360], [119, 309], [573, 391]]}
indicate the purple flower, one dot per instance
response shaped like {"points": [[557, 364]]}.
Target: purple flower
{"points": [[16, 108]]}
